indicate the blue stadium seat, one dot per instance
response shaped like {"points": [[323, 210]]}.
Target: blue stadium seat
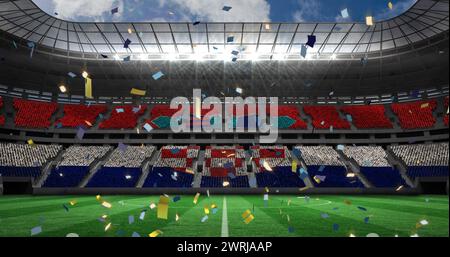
{"points": [[7, 171], [427, 171], [66, 176], [115, 177], [162, 177], [336, 176], [383, 176], [238, 181]]}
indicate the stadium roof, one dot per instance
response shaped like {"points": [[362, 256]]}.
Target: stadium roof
{"points": [[168, 41]]}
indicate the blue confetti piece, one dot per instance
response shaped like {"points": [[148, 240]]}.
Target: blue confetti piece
{"points": [[321, 168], [335, 227], [65, 207], [366, 220], [176, 198], [324, 215], [157, 75], [291, 230], [362, 208]]}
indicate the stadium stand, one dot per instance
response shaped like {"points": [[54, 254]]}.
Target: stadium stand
{"points": [[324, 117], [446, 111], [273, 167], [2, 118], [20, 160], [174, 167], [123, 117], [325, 168], [33, 114], [424, 160], [224, 165], [373, 164], [367, 116], [74, 166], [415, 115], [76, 115], [123, 167]]}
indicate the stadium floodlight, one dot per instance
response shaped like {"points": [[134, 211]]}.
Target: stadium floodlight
{"points": [[333, 57], [116, 57], [143, 57], [62, 88], [171, 57], [85, 74]]}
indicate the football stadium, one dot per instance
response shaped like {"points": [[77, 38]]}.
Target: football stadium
{"points": [[201, 127]]}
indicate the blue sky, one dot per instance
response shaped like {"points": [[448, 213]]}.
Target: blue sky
{"points": [[211, 10]]}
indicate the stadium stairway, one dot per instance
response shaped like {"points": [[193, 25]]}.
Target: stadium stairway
{"points": [[56, 115], [197, 180], [392, 117], [146, 167], [95, 167], [307, 179], [48, 168], [251, 176], [353, 166], [141, 120], [106, 116], [396, 162]]}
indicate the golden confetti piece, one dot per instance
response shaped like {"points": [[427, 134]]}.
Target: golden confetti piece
{"points": [[196, 198], [152, 206], [88, 123], [177, 217], [399, 188], [425, 105], [348, 202], [267, 189], [390, 6], [98, 197], [352, 235], [206, 209], [249, 219], [303, 188], [155, 233], [288, 218], [230, 155], [289, 202], [213, 206], [108, 226], [225, 183], [189, 170], [130, 31], [163, 207], [267, 166], [73, 202], [106, 205], [423, 222], [294, 166], [104, 216], [369, 20], [246, 213], [30, 142]]}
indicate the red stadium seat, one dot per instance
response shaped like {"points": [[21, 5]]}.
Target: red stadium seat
{"points": [[78, 115], [323, 117], [416, 114], [368, 116], [123, 117], [446, 112], [33, 114], [2, 118]]}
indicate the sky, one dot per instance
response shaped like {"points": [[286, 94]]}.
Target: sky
{"points": [[211, 10]]}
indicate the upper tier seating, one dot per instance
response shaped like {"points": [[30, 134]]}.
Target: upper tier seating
{"points": [[324, 161], [174, 167], [74, 166], [325, 117], [25, 160], [373, 164], [367, 116], [415, 115], [446, 111], [123, 117], [2, 118], [424, 160], [80, 115], [33, 114]]}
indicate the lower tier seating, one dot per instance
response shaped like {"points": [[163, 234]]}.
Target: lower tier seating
{"points": [[427, 171], [281, 176], [238, 181], [168, 177], [115, 177], [8, 171], [335, 176], [383, 176], [66, 176]]}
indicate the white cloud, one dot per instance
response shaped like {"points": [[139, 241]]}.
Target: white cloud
{"points": [[94, 9], [399, 8], [211, 11], [309, 9]]}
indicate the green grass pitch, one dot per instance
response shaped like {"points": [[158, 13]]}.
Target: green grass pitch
{"points": [[284, 215]]}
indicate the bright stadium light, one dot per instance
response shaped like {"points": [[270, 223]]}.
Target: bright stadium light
{"points": [[143, 57], [333, 57], [85, 74], [116, 57]]}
